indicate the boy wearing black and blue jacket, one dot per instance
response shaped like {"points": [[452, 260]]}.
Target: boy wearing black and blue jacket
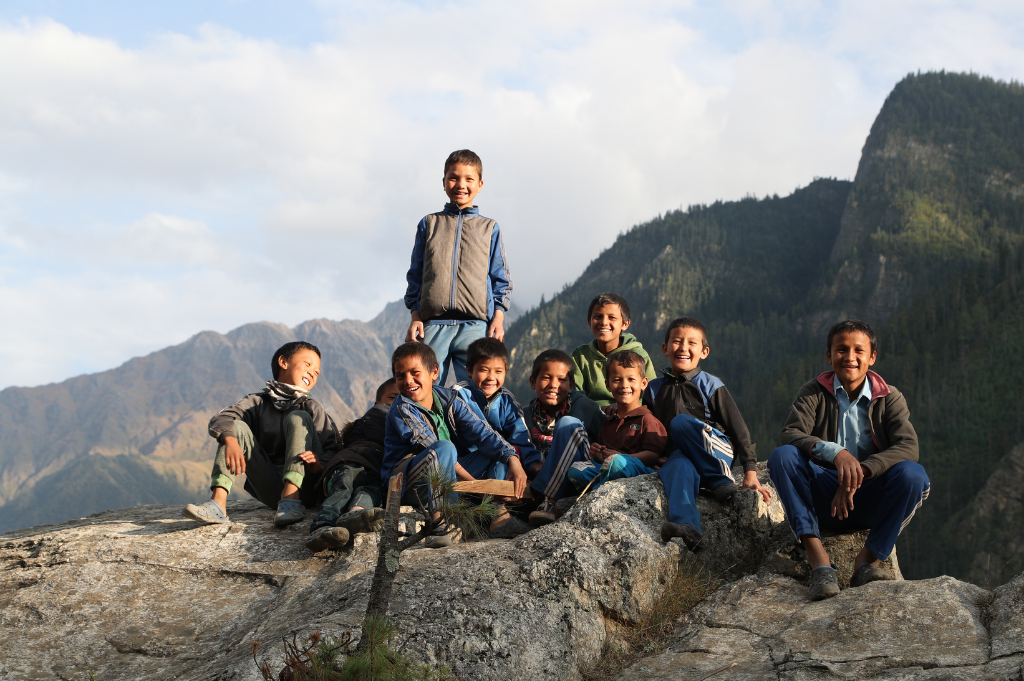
{"points": [[705, 427], [431, 426]]}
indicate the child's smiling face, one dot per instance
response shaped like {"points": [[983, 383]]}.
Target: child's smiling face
{"points": [[553, 383], [414, 380], [302, 369], [489, 376], [685, 349], [462, 183], [606, 323], [626, 384], [850, 357]]}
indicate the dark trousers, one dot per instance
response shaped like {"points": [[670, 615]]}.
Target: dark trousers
{"points": [[703, 459], [884, 504], [350, 485]]}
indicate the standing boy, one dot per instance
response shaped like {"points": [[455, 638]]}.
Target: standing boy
{"points": [[269, 437], [431, 426], [485, 394], [608, 317], [706, 428], [459, 283], [849, 438], [349, 484], [631, 440], [562, 422]]}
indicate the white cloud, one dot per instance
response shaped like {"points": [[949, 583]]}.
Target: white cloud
{"points": [[137, 185]]}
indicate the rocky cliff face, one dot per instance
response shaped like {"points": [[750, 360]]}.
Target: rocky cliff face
{"points": [[143, 593]]}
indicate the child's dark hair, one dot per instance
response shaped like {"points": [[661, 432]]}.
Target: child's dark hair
{"points": [[286, 351], [552, 355], [603, 299], [851, 326], [383, 388], [485, 348], [414, 349], [688, 323], [627, 359], [467, 157]]}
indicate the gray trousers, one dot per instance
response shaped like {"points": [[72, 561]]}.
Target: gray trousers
{"points": [[265, 479]]}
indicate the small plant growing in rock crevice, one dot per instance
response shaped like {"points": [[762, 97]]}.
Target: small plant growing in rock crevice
{"points": [[320, 658], [649, 635]]}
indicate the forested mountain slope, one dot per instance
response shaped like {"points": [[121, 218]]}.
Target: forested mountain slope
{"points": [[925, 245]]}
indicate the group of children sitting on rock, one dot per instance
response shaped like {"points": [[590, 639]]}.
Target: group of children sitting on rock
{"points": [[847, 460]]}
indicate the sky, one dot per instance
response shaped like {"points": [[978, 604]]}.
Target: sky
{"points": [[168, 168]]}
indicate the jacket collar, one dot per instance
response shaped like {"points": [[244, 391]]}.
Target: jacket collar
{"points": [[879, 388], [477, 393], [452, 209], [442, 395], [612, 412], [685, 376]]}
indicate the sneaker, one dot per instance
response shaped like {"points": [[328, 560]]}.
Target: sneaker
{"points": [[439, 538], [361, 521], [824, 583], [544, 514], [724, 492], [205, 513], [868, 573], [289, 512], [327, 537], [687, 532]]}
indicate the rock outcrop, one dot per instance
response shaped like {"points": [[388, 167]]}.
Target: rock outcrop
{"points": [[144, 593]]}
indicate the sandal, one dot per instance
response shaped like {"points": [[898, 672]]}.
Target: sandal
{"points": [[289, 512], [205, 513]]}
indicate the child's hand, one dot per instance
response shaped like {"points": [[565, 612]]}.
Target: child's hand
{"points": [[750, 481], [233, 455], [842, 503], [312, 464], [851, 475], [597, 452], [415, 332], [517, 475], [496, 329], [461, 474]]}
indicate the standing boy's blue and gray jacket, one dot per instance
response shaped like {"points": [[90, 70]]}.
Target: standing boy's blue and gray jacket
{"points": [[410, 429], [503, 413], [704, 397], [458, 270]]}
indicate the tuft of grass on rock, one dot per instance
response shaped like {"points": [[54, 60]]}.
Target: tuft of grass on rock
{"points": [[650, 635]]}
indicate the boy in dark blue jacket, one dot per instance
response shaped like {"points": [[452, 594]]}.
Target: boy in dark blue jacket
{"points": [[562, 423], [704, 425], [430, 425], [486, 395]]}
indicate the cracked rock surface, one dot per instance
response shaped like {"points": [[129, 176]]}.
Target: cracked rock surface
{"points": [[767, 628], [144, 593]]}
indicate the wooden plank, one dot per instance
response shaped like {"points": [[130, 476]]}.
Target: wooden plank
{"points": [[498, 488]]}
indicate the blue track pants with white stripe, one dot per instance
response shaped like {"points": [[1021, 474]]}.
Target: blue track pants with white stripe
{"points": [[569, 444], [703, 458]]}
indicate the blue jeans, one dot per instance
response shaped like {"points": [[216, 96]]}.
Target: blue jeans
{"points": [[441, 457], [885, 504], [703, 459], [569, 444], [619, 466], [450, 342]]}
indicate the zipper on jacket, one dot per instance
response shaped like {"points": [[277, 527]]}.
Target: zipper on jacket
{"points": [[455, 260]]}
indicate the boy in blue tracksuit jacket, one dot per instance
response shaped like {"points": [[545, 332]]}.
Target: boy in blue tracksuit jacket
{"points": [[433, 427], [459, 286]]}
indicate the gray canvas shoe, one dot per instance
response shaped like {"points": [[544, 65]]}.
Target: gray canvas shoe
{"points": [[824, 583], [327, 537], [289, 512], [205, 513], [439, 538], [363, 520], [868, 573]]}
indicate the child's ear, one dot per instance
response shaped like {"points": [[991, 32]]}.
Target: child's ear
{"points": [[664, 349], [625, 324], [705, 352], [871, 360], [434, 373], [643, 382], [282, 362], [533, 382]]}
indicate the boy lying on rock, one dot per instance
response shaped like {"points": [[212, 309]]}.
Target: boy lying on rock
{"points": [[434, 429], [848, 460], [705, 427], [485, 394], [562, 422], [270, 437], [349, 487]]}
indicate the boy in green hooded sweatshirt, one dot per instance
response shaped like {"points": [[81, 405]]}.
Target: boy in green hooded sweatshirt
{"points": [[608, 317]]}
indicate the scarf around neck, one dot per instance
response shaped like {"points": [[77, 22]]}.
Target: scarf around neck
{"points": [[544, 428], [285, 396]]}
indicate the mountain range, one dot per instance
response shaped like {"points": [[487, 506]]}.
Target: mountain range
{"points": [[925, 244]]}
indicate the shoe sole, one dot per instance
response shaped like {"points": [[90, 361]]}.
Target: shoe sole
{"points": [[367, 520], [825, 593], [286, 520], [328, 540], [537, 520]]}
